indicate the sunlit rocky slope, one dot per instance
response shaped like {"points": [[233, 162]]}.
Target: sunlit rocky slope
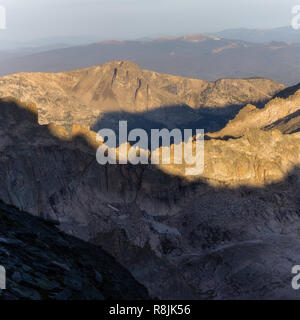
{"points": [[89, 95], [280, 113]]}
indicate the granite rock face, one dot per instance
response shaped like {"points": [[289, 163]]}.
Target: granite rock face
{"points": [[42, 263]]}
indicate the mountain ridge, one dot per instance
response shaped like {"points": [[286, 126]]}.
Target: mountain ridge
{"points": [[209, 57], [84, 96], [276, 111], [287, 34]]}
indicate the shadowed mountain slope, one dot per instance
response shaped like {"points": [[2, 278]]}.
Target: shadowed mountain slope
{"points": [[43, 263], [210, 235]]}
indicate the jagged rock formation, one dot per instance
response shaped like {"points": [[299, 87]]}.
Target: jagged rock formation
{"points": [[231, 233], [279, 113], [87, 96], [289, 124], [43, 263], [285, 93]]}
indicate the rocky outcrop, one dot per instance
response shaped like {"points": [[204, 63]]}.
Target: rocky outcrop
{"points": [[274, 115], [256, 159], [43, 263]]}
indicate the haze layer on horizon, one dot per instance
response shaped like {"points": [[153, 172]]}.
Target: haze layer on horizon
{"points": [[132, 19]]}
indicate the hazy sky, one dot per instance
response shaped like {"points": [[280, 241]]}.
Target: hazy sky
{"points": [[130, 19]]}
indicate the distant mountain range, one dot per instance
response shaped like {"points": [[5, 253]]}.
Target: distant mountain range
{"points": [[286, 34], [193, 56]]}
